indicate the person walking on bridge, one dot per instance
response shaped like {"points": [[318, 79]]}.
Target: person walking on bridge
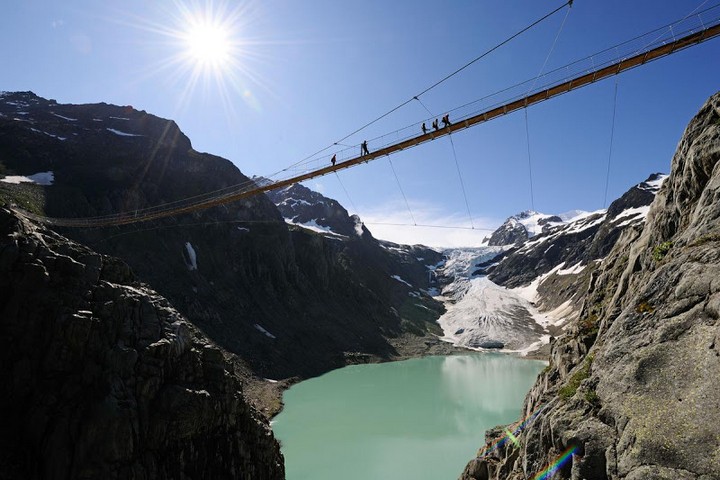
{"points": [[424, 128], [333, 159], [363, 148], [446, 120]]}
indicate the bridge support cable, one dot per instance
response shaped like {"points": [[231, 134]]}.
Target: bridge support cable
{"points": [[527, 137], [527, 122], [462, 184], [424, 106], [407, 204], [421, 225], [352, 204], [439, 82], [211, 199], [612, 136]]}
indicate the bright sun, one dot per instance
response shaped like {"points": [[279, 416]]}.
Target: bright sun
{"points": [[210, 49], [209, 45]]}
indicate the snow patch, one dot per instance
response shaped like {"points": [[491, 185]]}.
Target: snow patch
{"points": [[574, 270], [358, 226], [632, 215], [122, 134], [41, 178], [119, 118], [64, 118], [49, 134], [314, 226], [192, 256], [294, 201], [574, 215], [262, 330], [562, 314], [653, 185], [397, 277]]}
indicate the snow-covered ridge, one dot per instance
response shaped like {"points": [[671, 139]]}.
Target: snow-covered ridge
{"points": [[653, 185], [534, 222]]}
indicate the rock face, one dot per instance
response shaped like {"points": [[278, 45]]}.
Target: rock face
{"points": [[102, 378], [579, 242], [289, 301], [518, 228], [300, 205], [562, 260], [632, 386]]}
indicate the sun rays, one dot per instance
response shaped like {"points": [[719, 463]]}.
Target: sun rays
{"points": [[209, 45], [209, 52]]}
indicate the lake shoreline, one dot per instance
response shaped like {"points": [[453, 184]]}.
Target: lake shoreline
{"points": [[266, 394], [418, 418]]}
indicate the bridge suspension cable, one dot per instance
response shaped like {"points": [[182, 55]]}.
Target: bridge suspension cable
{"points": [[438, 83], [690, 37], [527, 122]]}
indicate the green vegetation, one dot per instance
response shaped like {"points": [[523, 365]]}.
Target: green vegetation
{"points": [[568, 391], [661, 250], [589, 325], [592, 398], [644, 307], [29, 197], [707, 238]]}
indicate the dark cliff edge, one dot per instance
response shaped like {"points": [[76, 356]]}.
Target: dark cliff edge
{"points": [[290, 303], [102, 378], [631, 388]]}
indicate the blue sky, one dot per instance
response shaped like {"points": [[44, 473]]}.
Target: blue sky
{"points": [[302, 75]]}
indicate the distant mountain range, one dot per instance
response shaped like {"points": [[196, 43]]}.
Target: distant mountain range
{"points": [[506, 295]]}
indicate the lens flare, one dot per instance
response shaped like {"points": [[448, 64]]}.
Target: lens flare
{"points": [[511, 435], [548, 471]]}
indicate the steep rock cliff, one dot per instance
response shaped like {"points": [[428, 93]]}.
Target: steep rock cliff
{"points": [[631, 389], [102, 378], [288, 301]]}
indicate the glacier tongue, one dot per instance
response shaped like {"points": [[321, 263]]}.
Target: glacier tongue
{"points": [[481, 314]]}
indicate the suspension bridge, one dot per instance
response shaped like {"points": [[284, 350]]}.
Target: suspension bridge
{"points": [[662, 46]]}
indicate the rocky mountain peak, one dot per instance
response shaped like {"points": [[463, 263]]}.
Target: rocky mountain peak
{"points": [[520, 227], [308, 208], [64, 122], [639, 196]]}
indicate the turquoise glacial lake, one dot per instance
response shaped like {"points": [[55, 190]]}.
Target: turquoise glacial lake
{"points": [[416, 419]]}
